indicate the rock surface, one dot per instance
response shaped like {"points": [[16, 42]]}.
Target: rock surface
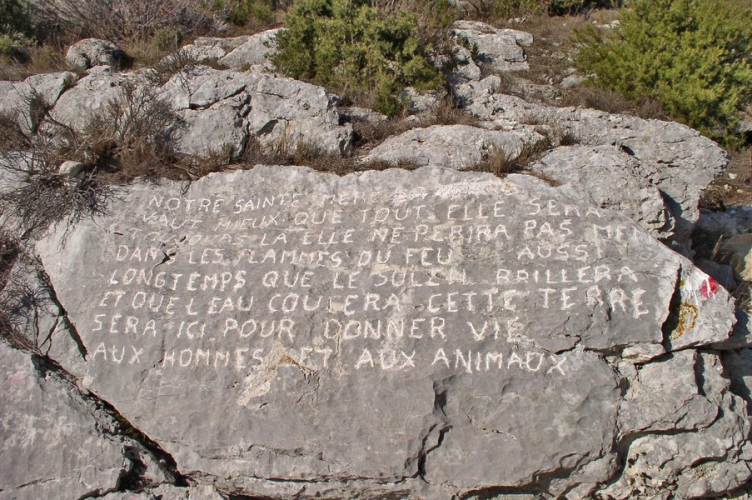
{"points": [[426, 334], [624, 183], [220, 110], [460, 147], [501, 49], [91, 52], [660, 147], [252, 52], [25, 100], [57, 442], [435, 334]]}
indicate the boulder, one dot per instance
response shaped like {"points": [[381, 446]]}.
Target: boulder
{"points": [[286, 113], [662, 148], [252, 52], [204, 87], [63, 443], [737, 251], [501, 49], [213, 48], [91, 52], [461, 147], [91, 95], [466, 69], [27, 100], [219, 130], [623, 183], [714, 226], [429, 334]]}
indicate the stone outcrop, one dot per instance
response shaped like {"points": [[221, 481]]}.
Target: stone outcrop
{"points": [[460, 147], [26, 100], [440, 333], [219, 110], [63, 443], [430, 334], [501, 49], [92, 52]]}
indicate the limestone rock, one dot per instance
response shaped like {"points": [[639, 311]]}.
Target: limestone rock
{"points": [[170, 492], [90, 95], [219, 130], [466, 69], [499, 48], [425, 334], [351, 113], [457, 146], [91, 52], [420, 102], [62, 445], [205, 49], [18, 98], [252, 52], [715, 226], [693, 464], [286, 112], [663, 147], [623, 183], [204, 87]]}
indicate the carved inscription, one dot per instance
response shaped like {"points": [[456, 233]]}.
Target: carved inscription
{"points": [[473, 284]]}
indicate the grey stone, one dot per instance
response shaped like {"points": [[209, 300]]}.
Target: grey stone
{"points": [[456, 146], [215, 131], [745, 125], [91, 52], [351, 113], [664, 147], [691, 464], [204, 86], [17, 98], [61, 444], [91, 95], [252, 52], [466, 69], [572, 81], [71, 169], [420, 102], [499, 48], [287, 113], [716, 225], [741, 336], [468, 92], [738, 364], [425, 334], [623, 183], [207, 49], [165, 492], [664, 396]]}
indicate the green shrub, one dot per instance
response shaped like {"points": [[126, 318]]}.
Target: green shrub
{"points": [[15, 18], [692, 56], [350, 46], [247, 10], [168, 39]]}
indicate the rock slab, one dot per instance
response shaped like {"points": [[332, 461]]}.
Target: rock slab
{"points": [[428, 334]]}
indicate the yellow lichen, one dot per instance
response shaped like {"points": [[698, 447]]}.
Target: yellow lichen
{"points": [[687, 319]]}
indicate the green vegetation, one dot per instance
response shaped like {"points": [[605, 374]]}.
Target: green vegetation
{"points": [[350, 46], [692, 56], [16, 29], [244, 12]]}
